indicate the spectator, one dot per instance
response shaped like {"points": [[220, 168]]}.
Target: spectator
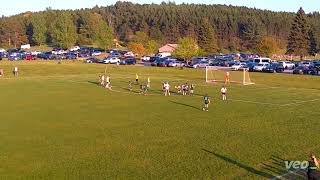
{"points": [[15, 71], [313, 173]]}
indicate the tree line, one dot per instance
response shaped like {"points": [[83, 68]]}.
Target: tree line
{"points": [[214, 28]]}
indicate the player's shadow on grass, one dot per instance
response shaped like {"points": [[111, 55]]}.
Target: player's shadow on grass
{"points": [[94, 82], [241, 165], [187, 105]]}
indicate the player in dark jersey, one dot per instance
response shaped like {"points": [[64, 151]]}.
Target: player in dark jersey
{"points": [[206, 103]]}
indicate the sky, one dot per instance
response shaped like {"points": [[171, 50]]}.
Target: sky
{"points": [[13, 7]]}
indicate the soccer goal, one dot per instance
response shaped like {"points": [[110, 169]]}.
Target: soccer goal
{"points": [[226, 75]]}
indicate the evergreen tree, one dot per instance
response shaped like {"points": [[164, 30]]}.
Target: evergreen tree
{"points": [[207, 37], [39, 29], [63, 30], [313, 46], [250, 34], [298, 43]]}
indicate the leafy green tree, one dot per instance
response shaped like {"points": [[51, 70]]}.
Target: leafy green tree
{"points": [[187, 48], [92, 29], [85, 27], [140, 37], [103, 35], [151, 47], [298, 43], [63, 31], [207, 37], [39, 29], [267, 46]]}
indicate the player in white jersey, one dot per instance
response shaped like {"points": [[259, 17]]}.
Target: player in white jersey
{"points": [[223, 93]]}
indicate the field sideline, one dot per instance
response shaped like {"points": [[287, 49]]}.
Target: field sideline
{"points": [[57, 123]]}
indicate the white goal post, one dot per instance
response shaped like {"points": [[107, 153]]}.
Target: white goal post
{"points": [[227, 75]]}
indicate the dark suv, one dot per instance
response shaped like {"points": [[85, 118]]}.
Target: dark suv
{"points": [[274, 67]]}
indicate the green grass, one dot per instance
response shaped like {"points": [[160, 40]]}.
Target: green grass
{"points": [[56, 123]]}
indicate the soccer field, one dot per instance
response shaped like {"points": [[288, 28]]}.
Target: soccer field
{"points": [[57, 123]]}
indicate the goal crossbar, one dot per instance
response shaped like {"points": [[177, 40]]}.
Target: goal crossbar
{"points": [[227, 75]]}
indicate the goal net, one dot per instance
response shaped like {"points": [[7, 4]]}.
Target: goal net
{"points": [[227, 75]]}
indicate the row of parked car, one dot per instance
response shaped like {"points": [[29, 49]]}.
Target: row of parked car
{"points": [[55, 54], [255, 64], [296, 67], [112, 60]]}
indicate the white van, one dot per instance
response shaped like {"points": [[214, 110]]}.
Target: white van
{"points": [[163, 54], [261, 60]]}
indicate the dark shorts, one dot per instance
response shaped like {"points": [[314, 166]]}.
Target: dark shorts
{"points": [[223, 93]]}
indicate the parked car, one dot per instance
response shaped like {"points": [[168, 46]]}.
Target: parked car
{"points": [[261, 60], [274, 67], [180, 63], [161, 62], [92, 60], [196, 60], [111, 60], [145, 58], [75, 48], [229, 63], [35, 53], [154, 61], [29, 57], [171, 62], [249, 65], [163, 54], [287, 64], [96, 53], [45, 55], [217, 62], [115, 54], [305, 63], [58, 51], [316, 64], [12, 51], [84, 53], [128, 61], [15, 56], [311, 70], [128, 54], [237, 66], [71, 56], [299, 70], [201, 64], [56, 57], [260, 66]]}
